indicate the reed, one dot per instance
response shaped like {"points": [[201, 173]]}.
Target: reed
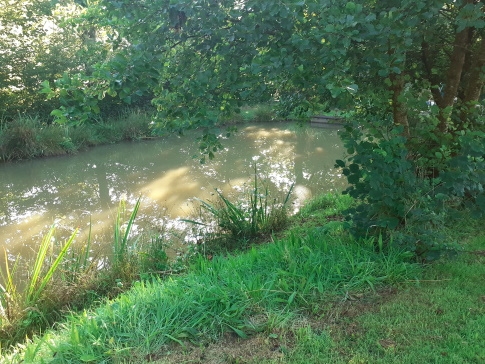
{"points": [[22, 304], [39, 281], [31, 299], [255, 216], [121, 234]]}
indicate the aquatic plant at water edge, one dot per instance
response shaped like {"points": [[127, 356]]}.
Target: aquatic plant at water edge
{"points": [[74, 277], [121, 233], [256, 215], [20, 306]]}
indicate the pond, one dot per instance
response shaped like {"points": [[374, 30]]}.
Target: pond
{"points": [[84, 190]]}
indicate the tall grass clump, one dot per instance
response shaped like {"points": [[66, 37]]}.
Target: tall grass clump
{"points": [[23, 305], [262, 113], [132, 124], [54, 140], [234, 224], [18, 139], [135, 124]]}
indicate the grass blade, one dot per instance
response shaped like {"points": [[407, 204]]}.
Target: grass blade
{"points": [[39, 262], [35, 294]]}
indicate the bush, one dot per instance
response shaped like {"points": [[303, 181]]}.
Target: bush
{"points": [[406, 189]]}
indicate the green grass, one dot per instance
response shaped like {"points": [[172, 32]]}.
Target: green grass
{"points": [[29, 137], [312, 297], [442, 320], [223, 295]]}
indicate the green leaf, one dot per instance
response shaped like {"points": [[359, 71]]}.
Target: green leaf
{"points": [[353, 179], [353, 88], [239, 333], [340, 163], [350, 6], [58, 113], [354, 168]]}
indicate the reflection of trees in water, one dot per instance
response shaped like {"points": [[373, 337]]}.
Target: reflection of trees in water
{"points": [[93, 182]]}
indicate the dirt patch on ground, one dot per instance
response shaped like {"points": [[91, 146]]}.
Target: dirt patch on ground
{"points": [[337, 317], [229, 349]]}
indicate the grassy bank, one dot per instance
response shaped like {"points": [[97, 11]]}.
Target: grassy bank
{"points": [[257, 291], [313, 295], [28, 137], [264, 289]]}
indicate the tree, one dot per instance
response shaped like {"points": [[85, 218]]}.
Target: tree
{"points": [[38, 43], [414, 71]]}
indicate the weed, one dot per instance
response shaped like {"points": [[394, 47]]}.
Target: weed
{"points": [[154, 259], [236, 224], [28, 137], [82, 136], [122, 232], [73, 278]]}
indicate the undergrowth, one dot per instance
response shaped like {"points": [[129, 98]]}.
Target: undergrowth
{"points": [[35, 295]]}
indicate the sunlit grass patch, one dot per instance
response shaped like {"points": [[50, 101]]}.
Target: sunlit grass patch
{"points": [[441, 320], [224, 295]]}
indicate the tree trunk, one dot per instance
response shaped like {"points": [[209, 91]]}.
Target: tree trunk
{"points": [[477, 75], [453, 76], [399, 111]]}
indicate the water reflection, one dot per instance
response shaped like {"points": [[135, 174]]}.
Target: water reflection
{"points": [[77, 190]]}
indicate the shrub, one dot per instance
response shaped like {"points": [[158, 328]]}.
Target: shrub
{"points": [[405, 188]]}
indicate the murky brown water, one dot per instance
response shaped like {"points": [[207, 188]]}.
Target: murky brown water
{"points": [[74, 190]]}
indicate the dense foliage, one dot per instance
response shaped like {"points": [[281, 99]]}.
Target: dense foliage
{"points": [[412, 71]]}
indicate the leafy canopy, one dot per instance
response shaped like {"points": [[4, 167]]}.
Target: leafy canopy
{"points": [[412, 70]]}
